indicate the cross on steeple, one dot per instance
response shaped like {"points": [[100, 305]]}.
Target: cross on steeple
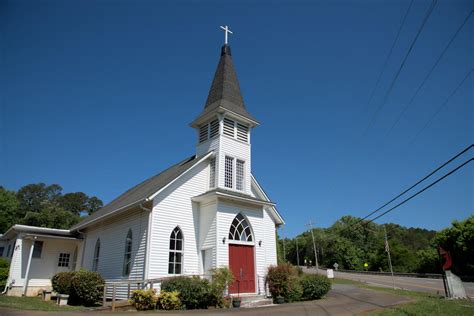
{"points": [[226, 31]]}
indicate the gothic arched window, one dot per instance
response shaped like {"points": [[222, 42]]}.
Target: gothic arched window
{"points": [[240, 229], [175, 263], [127, 256], [95, 260]]}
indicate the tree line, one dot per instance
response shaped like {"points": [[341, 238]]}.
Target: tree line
{"points": [[351, 246], [44, 205]]}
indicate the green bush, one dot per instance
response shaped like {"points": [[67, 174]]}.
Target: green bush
{"points": [[221, 279], [143, 300], [169, 300], [87, 287], [295, 290], [61, 282], [314, 286], [4, 268], [194, 291], [282, 281]]}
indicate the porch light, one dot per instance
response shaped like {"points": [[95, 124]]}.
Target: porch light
{"points": [[260, 243], [223, 240]]}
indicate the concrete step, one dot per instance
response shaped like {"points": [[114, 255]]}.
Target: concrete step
{"points": [[249, 301]]}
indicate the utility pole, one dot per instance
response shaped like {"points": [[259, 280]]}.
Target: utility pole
{"points": [[297, 252], [310, 227], [387, 249]]}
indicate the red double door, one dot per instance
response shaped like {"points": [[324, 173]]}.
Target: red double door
{"points": [[242, 265]]}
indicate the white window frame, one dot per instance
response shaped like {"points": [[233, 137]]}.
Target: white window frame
{"points": [[234, 173], [62, 262], [127, 254], [175, 251], [96, 256]]}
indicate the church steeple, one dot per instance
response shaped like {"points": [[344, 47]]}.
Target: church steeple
{"points": [[224, 127], [224, 94]]}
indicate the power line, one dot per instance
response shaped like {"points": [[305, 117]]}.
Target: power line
{"points": [[430, 72], [389, 54], [442, 105], [418, 182], [392, 84], [421, 191]]}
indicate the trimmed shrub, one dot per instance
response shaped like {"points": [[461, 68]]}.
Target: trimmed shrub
{"points": [[314, 286], [4, 268], [194, 291], [169, 300], [143, 300], [61, 282], [282, 281], [295, 290], [221, 278], [87, 287]]}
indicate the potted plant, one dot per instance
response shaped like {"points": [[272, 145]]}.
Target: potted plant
{"points": [[61, 283], [279, 299], [236, 302]]}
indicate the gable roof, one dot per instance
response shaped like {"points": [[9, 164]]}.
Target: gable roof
{"points": [[141, 192], [225, 89]]}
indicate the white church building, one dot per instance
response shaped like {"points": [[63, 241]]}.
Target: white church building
{"points": [[206, 211]]}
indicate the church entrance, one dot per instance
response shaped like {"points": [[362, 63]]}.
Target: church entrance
{"points": [[242, 265]]}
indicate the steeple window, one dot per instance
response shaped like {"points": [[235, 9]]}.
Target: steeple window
{"points": [[229, 172], [203, 133], [239, 178], [242, 132], [208, 130], [212, 173], [229, 127], [213, 128]]}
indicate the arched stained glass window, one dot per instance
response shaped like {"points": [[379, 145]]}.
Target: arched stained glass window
{"points": [[127, 256], [95, 260], [175, 263], [240, 229]]}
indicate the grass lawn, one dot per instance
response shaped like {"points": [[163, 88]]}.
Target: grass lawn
{"points": [[34, 303], [424, 304]]}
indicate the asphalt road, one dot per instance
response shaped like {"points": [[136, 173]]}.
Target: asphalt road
{"points": [[434, 286], [342, 300]]}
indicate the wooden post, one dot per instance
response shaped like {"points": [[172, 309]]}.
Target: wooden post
{"points": [[113, 297], [104, 298], [128, 290]]}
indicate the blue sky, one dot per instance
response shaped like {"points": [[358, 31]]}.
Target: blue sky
{"points": [[97, 96]]}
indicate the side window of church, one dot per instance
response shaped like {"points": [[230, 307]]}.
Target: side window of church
{"points": [[38, 249], [127, 257], [1, 251], [175, 264], [95, 260]]}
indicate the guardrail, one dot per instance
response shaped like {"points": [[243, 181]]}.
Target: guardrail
{"points": [[412, 275]]}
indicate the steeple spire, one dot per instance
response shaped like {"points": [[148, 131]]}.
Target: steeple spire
{"points": [[224, 93]]}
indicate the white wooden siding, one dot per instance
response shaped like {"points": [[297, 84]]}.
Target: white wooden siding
{"points": [[112, 234], [173, 207], [207, 232]]}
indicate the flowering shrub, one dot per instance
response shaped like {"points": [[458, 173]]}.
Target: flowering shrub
{"points": [[144, 300], [169, 300]]}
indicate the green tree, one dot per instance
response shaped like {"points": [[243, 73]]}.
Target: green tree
{"points": [[8, 209], [459, 241]]}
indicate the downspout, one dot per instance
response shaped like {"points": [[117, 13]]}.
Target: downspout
{"points": [[32, 248], [148, 237]]}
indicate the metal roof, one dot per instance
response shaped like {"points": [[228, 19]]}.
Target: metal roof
{"points": [[225, 89], [142, 191]]}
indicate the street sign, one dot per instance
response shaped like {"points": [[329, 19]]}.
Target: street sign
{"points": [[335, 265]]}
